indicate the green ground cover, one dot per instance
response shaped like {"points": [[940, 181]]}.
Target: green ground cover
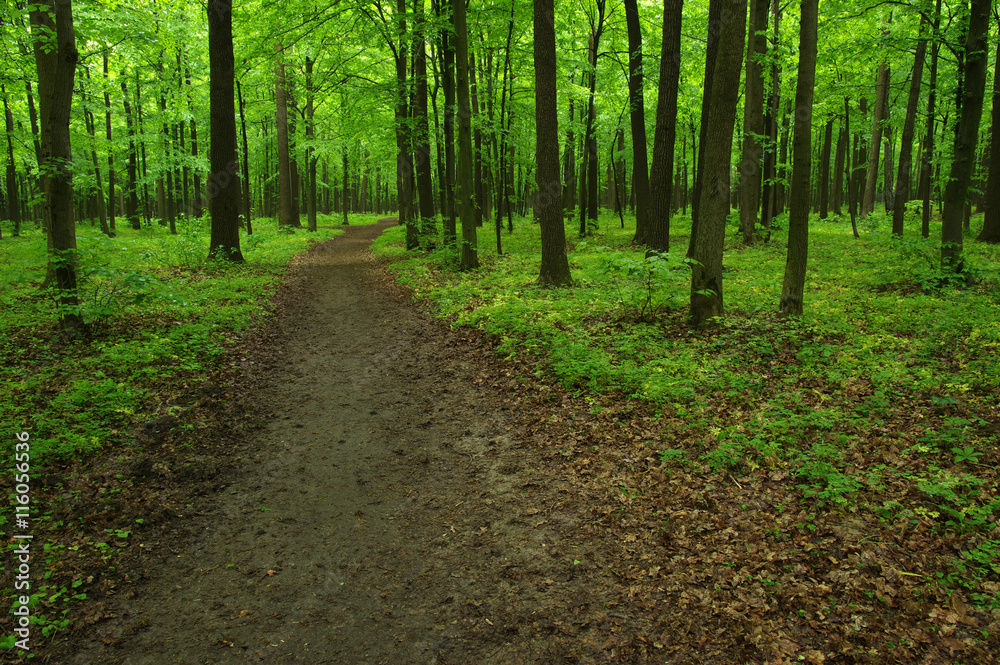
{"points": [[883, 397], [159, 314]]}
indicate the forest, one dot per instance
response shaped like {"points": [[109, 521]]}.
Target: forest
{"points": [[735, 261]]}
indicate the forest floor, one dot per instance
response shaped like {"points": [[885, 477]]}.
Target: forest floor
{"points": [[378, 488]]}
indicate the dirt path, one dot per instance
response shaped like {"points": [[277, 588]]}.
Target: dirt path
{"points": [[393, 513]]}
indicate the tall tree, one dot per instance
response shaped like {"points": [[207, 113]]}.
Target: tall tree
{"points": [[753, 120], [637, 116], [589, 175], [706, 272], [555, 266], [132, 200], [422, 145], [665, 134], [991, 218], [13, 204], [224, 181], [286, 218], [111, 147], [793, 286], [926, 159], [837, 194], [824, 170], [310, 149], [715, 23], [55, 60], [902, 194], [465, 188], [966, 133], [881, 99]]}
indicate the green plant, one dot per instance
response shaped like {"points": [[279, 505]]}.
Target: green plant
{"points": [[640, 281], [967, 454]]}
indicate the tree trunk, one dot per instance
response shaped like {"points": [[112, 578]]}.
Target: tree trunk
{"points": [[714, 24], [569, 171], [554, 270], [196, 175], [13, 204], [966, 134], [132, 200], [99, 197], [770, 188], [665, 134], [448, 83], [902, 194], [837, 193], [588, 218], [851, 157], [927, 157], [793, 286], [56, 67], [422, 148], [753, 120], [887, 169], [111, 146], [345, 197], [310, 151], [247, 202], [882, 94], [285, 218], [466, 190], [713, 207], [991, 202], [224, 180], [824, 171], [637, 115]]}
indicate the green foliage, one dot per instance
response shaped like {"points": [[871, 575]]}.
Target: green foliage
{"points": [[878, 368], [645, 284], [157, 311]]}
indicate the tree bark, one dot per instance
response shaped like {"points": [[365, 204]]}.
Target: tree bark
{"points": [[310, 151], [569, 171], [55, 60], [665, 134], [224, 180], [554, 269], [824, 171], [466, 190], [753, 121], [637, 116], [247, 201], [837, 193], [793, 286], [882, 93], [902, 194], [448, 83], [706, 273], [285, 218], [588, 218], [966, 134], [422, 147], [712, 47], [991, 202], [132, 198], [13, 203]]}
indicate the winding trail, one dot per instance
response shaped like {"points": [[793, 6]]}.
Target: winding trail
{"points": [[392, 513]]}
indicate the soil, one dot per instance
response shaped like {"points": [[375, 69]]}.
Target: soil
{"points": [[392, 511]]}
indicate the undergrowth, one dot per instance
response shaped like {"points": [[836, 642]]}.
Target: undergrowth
{"points": [[882, 397]]}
